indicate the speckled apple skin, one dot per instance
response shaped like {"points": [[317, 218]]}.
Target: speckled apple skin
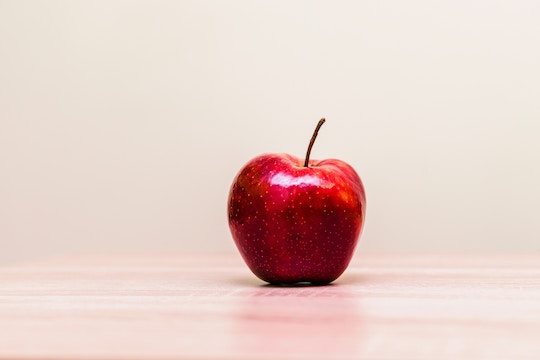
{"points": [[296, 224]]}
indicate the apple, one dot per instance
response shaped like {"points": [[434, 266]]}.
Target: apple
{"points": [[296, 221]]}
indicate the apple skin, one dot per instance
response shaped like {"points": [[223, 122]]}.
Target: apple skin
{"points": [[295, 224]]}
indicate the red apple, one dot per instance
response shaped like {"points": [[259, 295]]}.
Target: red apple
{"points": [[296, 220]]}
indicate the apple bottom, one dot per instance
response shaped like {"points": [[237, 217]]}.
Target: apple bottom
{"points": [[297, 259]]}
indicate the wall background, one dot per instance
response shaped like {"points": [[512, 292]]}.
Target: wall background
{"points": [[123, 123]]}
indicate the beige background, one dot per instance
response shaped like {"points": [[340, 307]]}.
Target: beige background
{"points": [[123, 123]]}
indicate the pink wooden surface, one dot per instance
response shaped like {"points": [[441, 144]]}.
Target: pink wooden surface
{"points": [[173, 306]]}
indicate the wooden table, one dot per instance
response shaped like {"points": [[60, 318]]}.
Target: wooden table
{"points": [[206, 307]]}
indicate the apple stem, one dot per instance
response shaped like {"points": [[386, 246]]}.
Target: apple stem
{"points": [[315, 133]]}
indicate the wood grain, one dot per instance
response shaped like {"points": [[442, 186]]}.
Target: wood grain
{"points": [[167, 306]]}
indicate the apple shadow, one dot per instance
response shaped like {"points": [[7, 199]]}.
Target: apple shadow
{"points": [[302, 284], [253, 282]]}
